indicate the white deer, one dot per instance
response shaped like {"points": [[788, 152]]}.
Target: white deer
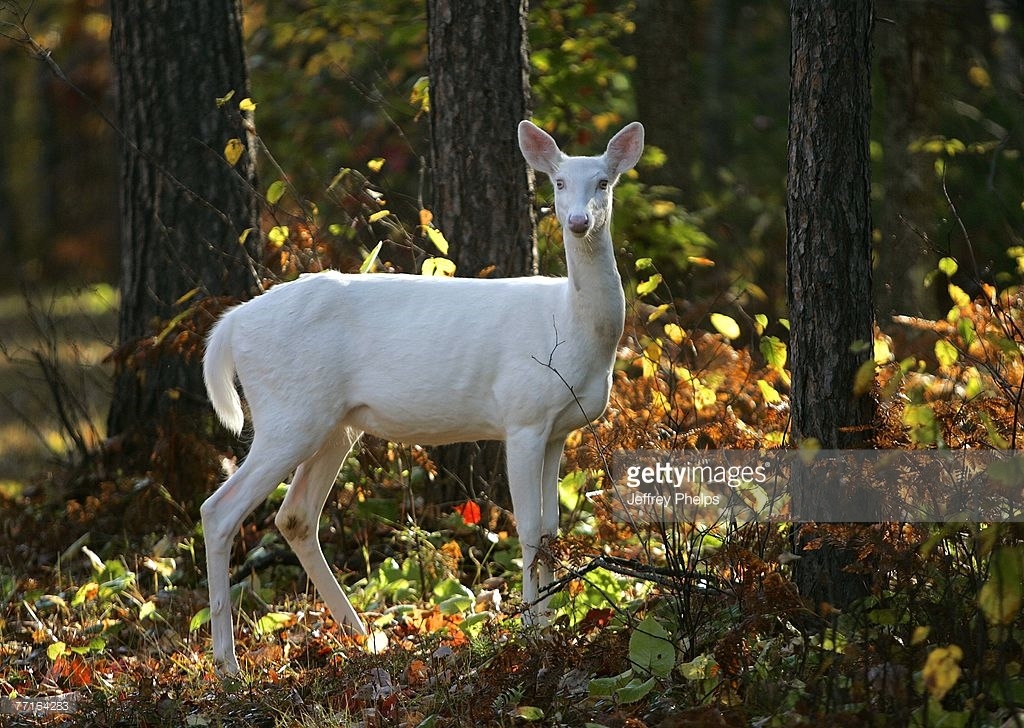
{"points": [[421, 360]]}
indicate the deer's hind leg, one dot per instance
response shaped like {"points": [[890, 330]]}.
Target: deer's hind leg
{"points": [[299, 517]]}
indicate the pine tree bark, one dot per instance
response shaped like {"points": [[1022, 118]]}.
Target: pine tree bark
{"points": [[829, 252], [482, 188], [183, 208]]}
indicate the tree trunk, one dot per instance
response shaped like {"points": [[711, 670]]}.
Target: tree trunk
{"points": [[908, 44], [10, 243], [665, 85], [482, 187], [829, 252], [183, 207]]}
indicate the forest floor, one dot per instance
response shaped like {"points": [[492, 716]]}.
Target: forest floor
{"points": [[52, 351], [103, 602]]}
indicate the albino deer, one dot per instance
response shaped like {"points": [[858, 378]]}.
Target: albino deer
{"points": [[420, 360]]}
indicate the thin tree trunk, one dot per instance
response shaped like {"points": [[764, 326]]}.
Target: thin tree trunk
{"points": [[665, 86], [829, 252], [183, 208], [10, 242], [482, 187], [908, 44]]}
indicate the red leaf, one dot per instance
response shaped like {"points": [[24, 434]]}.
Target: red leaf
{"points": [[470, 512]]}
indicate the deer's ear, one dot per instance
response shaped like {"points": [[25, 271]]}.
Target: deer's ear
{"points": [[625, 148], [540, 150]]}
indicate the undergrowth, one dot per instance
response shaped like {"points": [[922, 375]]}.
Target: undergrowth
{"points": [[103, 605], [658, 624]]}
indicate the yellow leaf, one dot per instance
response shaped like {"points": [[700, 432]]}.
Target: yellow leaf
{"points": [[725, 325], [438, 267], [945, 353], [1001, 22], [942, 670], [376, 164], [278, 235], [247, 104], [379, 215], [959, 296], [675, 333], [864, 378], [651, 359], [233, 151], [437, 238], [979, 77], [920, 634], [704, 397], [659, 402], [657, 312], [768, 392], [882, 353], [648, 286]]}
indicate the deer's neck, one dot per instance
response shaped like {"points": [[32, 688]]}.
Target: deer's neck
{"points": [[596, 302]]}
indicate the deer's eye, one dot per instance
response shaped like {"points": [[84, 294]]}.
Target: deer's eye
{"points": [[560, 184], [602, 185]]}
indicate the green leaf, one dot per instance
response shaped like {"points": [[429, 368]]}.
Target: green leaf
{"points": [[1001, 22], [85, 592], [199, 619], [221, 100], [725, 325], [651, 649], [371, 259], [276, 191], [699, 668], [948, 266], [273, 622], [922, 426], [773, 349], [528, 713], [147, 610], [634, 691], [761, 321], [603, 687], [1001, 595], [643, 263], [864, 377], [57, 649]]}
